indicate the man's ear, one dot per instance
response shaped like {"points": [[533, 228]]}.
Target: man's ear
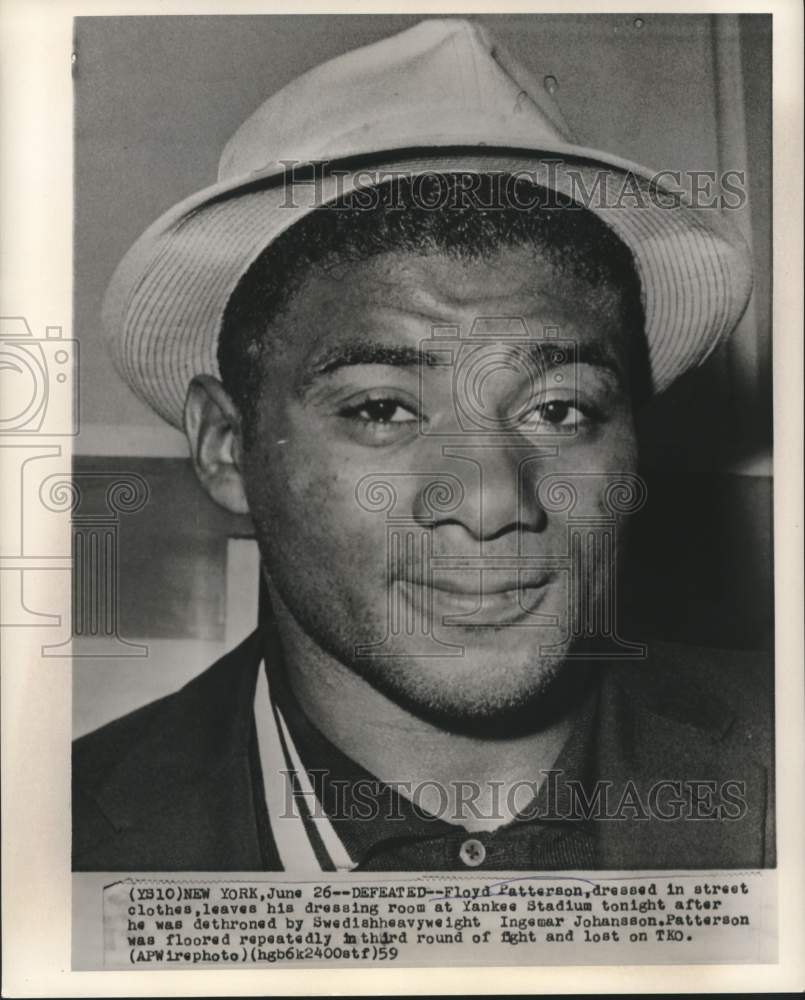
{"points": [[212, 425]]}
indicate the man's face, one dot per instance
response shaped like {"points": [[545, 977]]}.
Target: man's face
{"points": [[398, 490]]}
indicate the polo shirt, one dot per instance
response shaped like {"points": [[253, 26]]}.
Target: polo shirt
{"points": [[384, 830]]}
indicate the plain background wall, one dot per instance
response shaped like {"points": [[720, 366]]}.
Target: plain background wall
{"points": [[156, 98]]}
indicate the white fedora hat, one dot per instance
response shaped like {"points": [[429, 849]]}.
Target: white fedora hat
{"points": [[442, 96]]}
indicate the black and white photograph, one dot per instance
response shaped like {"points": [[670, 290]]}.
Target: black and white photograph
{"points": [[416, 468], [412, 334]]}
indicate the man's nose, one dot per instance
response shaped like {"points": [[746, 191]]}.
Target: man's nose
{"points": [[499, 494]]}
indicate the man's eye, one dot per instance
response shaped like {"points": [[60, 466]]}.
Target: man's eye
{"points": [[556, 413], [380, 411]]}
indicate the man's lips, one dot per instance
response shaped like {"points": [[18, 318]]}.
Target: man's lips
{"points": [[490, 582], [500, 600]]}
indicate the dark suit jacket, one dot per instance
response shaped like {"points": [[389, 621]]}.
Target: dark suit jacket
{"points": [[171, 786]]}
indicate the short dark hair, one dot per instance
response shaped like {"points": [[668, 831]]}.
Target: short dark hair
{"points": [[400, 216]]}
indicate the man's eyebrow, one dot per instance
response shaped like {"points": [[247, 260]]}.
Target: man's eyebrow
{"points": [[364, 352], [547, 354], [558, 353]]}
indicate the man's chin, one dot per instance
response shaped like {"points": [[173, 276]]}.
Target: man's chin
{"points": [[480, 695]]}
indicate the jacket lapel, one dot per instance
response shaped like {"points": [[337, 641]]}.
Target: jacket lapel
{"points": [[183, 797], [648, 737]]}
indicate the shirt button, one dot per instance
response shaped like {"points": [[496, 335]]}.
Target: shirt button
{"points": [[472, 853]]}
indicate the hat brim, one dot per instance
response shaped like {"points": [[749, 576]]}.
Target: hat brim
{"points": [[165, 303]]}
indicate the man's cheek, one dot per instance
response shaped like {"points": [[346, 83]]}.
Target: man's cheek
{"points": [[306, 507], [283, 479]]}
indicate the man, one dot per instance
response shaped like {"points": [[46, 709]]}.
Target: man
{"points": [[409, 331]]}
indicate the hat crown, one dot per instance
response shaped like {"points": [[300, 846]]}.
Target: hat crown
{"points": [[442, 79]]}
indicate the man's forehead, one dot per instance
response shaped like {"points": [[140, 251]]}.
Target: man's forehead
{"points": [[406, 296], [447, 276]]}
